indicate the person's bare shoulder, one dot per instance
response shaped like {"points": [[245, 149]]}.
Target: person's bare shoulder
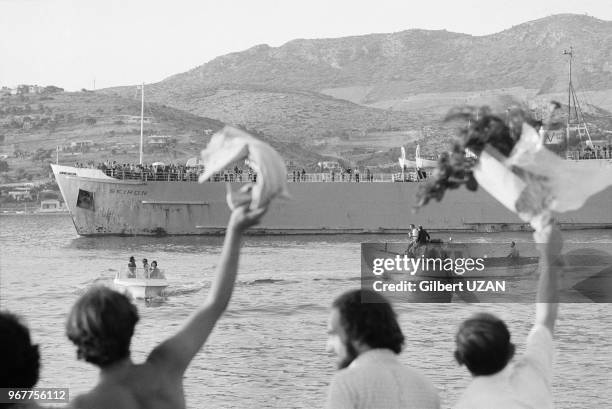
{"points": [[105, 397]]}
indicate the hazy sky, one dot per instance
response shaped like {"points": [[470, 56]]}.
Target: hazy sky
{"points": [[69, 43]]}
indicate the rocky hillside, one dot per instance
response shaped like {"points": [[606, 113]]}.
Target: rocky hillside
{"points": [[416, 61], [307, 91], [94, 127]]}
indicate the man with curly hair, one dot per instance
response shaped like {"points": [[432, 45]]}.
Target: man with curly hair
{"points": [[101, 325], [366, 338]]}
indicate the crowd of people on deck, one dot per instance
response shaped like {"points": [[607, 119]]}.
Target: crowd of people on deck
{"points": [[183, 173], [596, 152], [335, 175], [170, 173], [362, 332]]}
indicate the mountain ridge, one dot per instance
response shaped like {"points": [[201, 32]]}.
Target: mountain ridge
{"points": [[420, 57], [285, 91]]}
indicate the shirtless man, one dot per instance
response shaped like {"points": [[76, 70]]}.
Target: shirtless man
{"points": [[101, 325]]}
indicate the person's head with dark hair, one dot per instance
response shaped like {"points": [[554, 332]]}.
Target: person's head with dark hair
{"points": [[361, 320], [19, 358], [101, 324], [483, 344]]}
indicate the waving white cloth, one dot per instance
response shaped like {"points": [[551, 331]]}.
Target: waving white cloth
{"points": [[230, 145], [402, 159], [533, 181]]}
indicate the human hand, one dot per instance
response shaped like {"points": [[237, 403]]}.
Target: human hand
{"points": [[242, 217], [241, 197]]}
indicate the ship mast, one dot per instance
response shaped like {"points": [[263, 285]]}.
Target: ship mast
{"points": [[578, 124], [569, 90], [141, 121]]}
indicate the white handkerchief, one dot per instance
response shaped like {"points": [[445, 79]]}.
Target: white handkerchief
{"points": [[230, 145]]}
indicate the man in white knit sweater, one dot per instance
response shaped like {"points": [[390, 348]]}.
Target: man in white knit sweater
{"points": [[366, 338]]}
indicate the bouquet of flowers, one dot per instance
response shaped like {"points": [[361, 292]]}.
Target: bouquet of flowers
{"points": [[508, 159]]}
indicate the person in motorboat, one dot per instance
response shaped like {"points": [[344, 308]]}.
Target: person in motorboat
{"points": [[514, 253], [422, 236], [414, 244], [155, 272], [145, 267], [132, 267]]}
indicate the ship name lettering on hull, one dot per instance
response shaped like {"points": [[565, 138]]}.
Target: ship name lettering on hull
{"points": [[128, 192]]}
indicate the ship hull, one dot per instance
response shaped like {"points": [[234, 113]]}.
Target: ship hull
{"points": [[102, 205]]}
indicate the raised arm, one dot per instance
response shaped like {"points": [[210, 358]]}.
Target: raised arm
{"points": [[549, 242], [176, 353]]}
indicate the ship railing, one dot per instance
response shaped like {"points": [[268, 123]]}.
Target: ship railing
{"points": [[408, 177], [177, 176], [352, 178], [146, 176], [587, 155], [298, 177]]}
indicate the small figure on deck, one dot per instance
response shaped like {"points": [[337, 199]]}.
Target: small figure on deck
{"points": [[132, 267], [514, 253]]}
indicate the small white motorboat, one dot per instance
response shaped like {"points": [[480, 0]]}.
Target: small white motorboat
{"points": [[141, 284]]}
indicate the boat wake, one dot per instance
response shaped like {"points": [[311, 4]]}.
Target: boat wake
{"points": [[185, 289], [271, 308], [263, 281], [171, 291]]}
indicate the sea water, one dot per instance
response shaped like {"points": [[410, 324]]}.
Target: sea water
{"points": [[268, 350]]}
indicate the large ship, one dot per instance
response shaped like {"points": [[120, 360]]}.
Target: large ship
{"points": [[131, 203], [102, 204]]}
